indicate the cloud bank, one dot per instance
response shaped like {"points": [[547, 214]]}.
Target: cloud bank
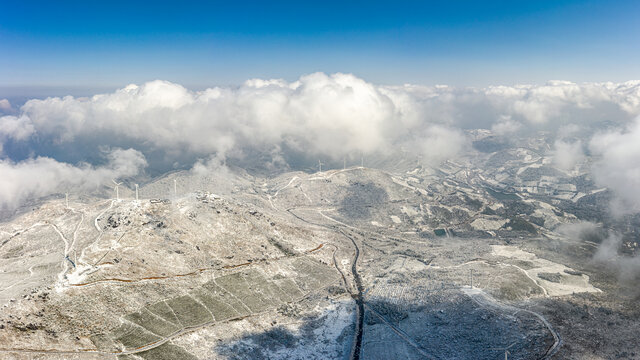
{"points": [[567, 155], [329, 115], [43, 176], [5, 105], [619, 165], [16, 128], [318, 115]]}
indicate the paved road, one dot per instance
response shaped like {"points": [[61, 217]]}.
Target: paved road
{"points": [[357, 295]]}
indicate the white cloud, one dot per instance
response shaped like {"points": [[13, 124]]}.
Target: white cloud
{"points": [[43, 176], [566, 154], [568, 130], [618, 166], [626, 267], [583, 231], [18, 128], [5, 105], [329, 116], [563, 102], [608, 252], [506, 126], [333, 115], [322, 113], [438, 143]]}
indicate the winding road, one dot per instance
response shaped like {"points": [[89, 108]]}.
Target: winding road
{"points": [[357, 294]]}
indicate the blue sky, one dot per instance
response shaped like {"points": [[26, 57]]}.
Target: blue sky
{"points": [[94, 45]]}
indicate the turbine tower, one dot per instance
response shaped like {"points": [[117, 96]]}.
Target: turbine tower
{"points": [[175, 187], [344, 163], [117, 193], [66, 199], [471, 278], [506, 351], [136, 192], [320, 165]]}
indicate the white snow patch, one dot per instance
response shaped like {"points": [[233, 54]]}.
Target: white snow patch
{"points": [[568, 284], [487, 224]]}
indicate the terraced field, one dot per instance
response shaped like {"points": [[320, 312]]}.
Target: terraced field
{"points": [[147, 332]]}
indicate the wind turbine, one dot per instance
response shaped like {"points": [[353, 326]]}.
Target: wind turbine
{"points": [[506, 351], [117, 193], [344, 163], [320, 165], [136, 192], [66, 199], [175, 187], [471, 278]]}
